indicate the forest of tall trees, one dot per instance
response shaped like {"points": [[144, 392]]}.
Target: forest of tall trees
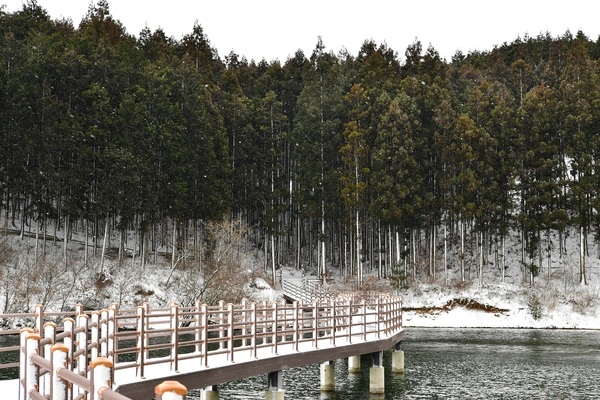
{"points": [[366, 163]]}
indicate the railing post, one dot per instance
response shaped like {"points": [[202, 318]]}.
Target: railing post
{"points": [[333, 324], [79, 309], [398, 314], [69, 326], [350, 320], [49, 332], [176, 389], [253, 320], [39, 318], [199, 326], [146, 329], [111, 333], [391, 311], [59, 360], [296, 336], [81, 344], [175, 337], [377, 316], [316, 324], [102, 334], [221, 323], [265, 322], [244, 326], [95, 334], [275, 318], [204, 334], [364, 319], [230, 332], [384, 309], [100, 377], [23, 362], [141, 341], [31, 370]]}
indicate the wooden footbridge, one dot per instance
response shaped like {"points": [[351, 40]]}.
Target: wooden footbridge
{"points": [[117, 354]]}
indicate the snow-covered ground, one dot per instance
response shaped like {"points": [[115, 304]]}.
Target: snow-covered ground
{"points": [[511, 307], [557, 301], [549, 304]]}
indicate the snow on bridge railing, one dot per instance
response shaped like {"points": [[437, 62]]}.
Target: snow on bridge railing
{"points": [[134, 341]]}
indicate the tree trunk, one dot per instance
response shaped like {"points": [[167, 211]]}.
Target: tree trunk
{"points": [[358, 250], [104, 241], [65, 240], [37, 236], [446, 253], [379, 252], [480, 247], [174, 245], [549, 252], [414, 252], [433, 252], [273, 260], [503, 258], [582, 274], [462, 250], [298, 243]]}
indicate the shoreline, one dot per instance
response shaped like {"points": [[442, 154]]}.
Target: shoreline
{"points": [[500, 328], [463, 318]]}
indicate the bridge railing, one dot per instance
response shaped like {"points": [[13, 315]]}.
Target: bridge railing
{"points": [[34, 320], [171, 335], [133, 341]]}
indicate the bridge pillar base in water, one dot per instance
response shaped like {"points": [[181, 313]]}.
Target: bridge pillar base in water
{"points": [[377, 374], [398, 362], [274, 394], [210, 393], [354, 364], [327, 377], [275, 391], [377, 380]]}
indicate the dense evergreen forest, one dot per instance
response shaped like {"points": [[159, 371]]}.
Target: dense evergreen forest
{"points": [[374, 162]]}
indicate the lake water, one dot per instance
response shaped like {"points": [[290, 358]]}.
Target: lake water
{"points": [[459, 364], [455, 364]]}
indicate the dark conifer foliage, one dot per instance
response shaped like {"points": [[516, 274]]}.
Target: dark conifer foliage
{"points": [[364, 164]]}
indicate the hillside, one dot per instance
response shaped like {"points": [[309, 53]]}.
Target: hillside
{"points": [[557, 301]]}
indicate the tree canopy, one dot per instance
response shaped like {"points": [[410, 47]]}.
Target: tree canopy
{"points": [[336, 159]]}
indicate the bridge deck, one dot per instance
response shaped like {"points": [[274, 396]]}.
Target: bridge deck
{"points": [[203, 346], [192, 375]]}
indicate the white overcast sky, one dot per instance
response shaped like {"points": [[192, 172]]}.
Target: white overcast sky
{"points": [[275, 29]]}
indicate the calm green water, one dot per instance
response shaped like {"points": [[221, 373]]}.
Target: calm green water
{"points": [[460, 364]]}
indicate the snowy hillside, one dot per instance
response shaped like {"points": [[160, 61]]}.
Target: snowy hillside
{"points": [[555, 302]]}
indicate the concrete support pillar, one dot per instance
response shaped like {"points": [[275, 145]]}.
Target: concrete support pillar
{"points": [[210, 393], [354, 364], [398, 360], [275, 391], [376, 374], [327, 377]]}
